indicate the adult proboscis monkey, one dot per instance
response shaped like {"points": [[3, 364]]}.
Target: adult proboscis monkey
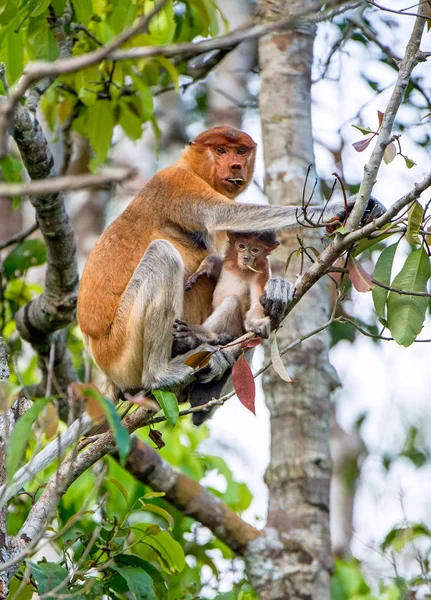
{"points": [[132, 287]]}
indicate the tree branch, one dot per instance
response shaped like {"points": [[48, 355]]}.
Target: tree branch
{"points": [[411, 58], [55, 307], [188, 496], [67, 183], [38, 70]]}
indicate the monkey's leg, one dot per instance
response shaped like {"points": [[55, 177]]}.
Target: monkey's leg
{"points": [[227, 318], [151, 302]]}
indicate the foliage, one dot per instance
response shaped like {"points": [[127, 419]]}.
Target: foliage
{"points": [[112, 533], [112, 536]]}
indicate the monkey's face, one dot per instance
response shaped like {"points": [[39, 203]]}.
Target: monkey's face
{"points": [[233, 167], [250, 255], [224, 157]]}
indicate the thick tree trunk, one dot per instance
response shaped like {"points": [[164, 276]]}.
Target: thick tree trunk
{"points": [[298, 475]]}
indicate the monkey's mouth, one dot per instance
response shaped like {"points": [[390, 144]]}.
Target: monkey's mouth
{"points": [[238, 181], [251, 268]]}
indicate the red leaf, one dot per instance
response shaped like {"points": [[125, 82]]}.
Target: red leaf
{"points": [[360, 278], [243, 382], [362, 144], [380, 116], [252, 343]]}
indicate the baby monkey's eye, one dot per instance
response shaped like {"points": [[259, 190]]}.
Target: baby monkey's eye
{"points": [[241, 246], [220, 150], [242, 151], [255, 250]]}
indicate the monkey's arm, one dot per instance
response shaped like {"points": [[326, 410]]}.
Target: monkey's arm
{"points": [[210, 267], [197, 205], [256, 217]]}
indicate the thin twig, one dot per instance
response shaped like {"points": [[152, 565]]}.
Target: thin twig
{"points": [[19, 237]]}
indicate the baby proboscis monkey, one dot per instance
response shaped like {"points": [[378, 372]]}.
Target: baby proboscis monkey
{"points": [[236, 302]]}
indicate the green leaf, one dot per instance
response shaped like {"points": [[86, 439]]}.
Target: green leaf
{"points": [[170, 68], [86, 87], [162, 25], [382, 273], [135, 517], [365, 130], [416, 215], [350, 579], [123, 14], [156, 576], [49, 575], [145, 96], [409, 162], [406, 314], [40, 8], [96, 123], [40, 40], [139, 583], [29, 253], [121, 435], [368, 243], [169, 405], [19, 436], [58, 6], [168, 550], [83, 10], [398, 537], [7, 11], [11, 169], [129, 121], [12, 54]]}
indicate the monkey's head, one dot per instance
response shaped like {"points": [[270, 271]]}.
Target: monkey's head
{"points": [[224, 157], [252, 248]]}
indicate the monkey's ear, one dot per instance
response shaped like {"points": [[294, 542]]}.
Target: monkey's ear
{"points": [[274, 245], [230, 235], [192, 143]]}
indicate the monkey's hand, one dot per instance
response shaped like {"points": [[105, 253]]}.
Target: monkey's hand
{"points": [[277, 297], [210, 267], [261, 327], [220, 362], [374, 210]]}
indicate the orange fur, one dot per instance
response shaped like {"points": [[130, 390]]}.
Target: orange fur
{"points": [[166, 208]]}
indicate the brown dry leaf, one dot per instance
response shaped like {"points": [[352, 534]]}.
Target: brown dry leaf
{"points": [[156, 437], [49, 421], [390, 153], [199, 360], [8, 394]]}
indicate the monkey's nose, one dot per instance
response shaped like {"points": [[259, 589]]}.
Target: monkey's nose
{"points": [[246, 259], [235, 166]]}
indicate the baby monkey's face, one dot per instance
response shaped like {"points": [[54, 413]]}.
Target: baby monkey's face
{"points": [[251, 254]]}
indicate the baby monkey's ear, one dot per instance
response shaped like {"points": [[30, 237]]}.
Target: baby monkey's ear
{"points": [[274, 245]]}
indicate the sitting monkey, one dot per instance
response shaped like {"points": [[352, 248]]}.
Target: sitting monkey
{"points": [[241, 280]]}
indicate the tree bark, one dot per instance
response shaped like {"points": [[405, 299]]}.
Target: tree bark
{"points": [[299, 472]]}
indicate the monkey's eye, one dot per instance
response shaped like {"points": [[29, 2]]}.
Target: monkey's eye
{"points": [[255, 250], [242, 151], [241, 246], [220, 150]]}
